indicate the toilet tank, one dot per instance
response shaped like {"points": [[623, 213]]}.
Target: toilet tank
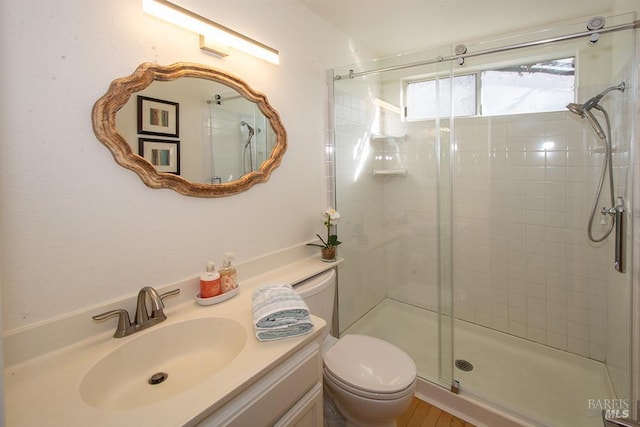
{"points": [[318, 292]]}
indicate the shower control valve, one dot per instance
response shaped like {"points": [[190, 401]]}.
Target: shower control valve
{"points": [[617, 209]]}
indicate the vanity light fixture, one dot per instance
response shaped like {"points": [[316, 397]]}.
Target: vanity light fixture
{"points": [[214, 38]]}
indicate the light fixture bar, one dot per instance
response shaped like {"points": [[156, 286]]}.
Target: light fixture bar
{"points": [[213, 48], [209, 30]]}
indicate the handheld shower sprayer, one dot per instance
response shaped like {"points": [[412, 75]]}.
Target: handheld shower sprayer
{"points": [[584, 110], [247, 144], [616, 211]]}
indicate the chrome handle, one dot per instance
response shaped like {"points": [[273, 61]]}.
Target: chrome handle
{"points": [[157, 311], [618, 214], [169, 294], [619, 262], [124, 327]]}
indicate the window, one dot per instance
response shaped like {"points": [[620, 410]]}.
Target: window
{"points": [[527, 88], [422, 97]]}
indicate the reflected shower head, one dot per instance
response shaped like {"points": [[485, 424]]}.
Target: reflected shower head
{"points": [[243, 123], [251, 129]]}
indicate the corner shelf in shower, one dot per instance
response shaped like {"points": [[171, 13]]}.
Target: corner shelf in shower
{"points": [[386, 147], [390, 172], [388, 138]]}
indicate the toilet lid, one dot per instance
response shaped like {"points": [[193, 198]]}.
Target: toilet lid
{"points": [[370, 364]]}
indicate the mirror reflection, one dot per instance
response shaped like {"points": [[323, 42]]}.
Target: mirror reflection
{"points": [[192, 128], [209, 131]]}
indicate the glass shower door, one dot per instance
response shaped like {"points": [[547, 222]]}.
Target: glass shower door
{"points": [[542, 316], [465, 222], [389, 197]]}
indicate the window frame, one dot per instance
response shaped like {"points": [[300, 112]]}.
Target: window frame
{"points": [[479, 82]]}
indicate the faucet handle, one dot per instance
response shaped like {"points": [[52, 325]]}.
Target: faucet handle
{"points": [[169, 294], [124, 322]]}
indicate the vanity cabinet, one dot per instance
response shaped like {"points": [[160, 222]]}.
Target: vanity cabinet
{"points": [[278, 383], [289, 395]]}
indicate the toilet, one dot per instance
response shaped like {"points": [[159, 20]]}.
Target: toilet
{"points": [[370, 381]]}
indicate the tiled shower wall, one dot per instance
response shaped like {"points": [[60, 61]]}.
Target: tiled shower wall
{"points": [[523, 187], [523, 190]]}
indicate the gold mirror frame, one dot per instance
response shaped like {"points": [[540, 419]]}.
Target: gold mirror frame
{"points": [[121, 89]]}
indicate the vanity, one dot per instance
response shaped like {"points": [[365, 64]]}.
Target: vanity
{"points": [[222, 375]]}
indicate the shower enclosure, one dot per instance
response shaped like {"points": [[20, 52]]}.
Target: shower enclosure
{"points": [[465, 178]]}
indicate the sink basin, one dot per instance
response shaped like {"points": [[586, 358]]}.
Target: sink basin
{"points": [[187, 353]]}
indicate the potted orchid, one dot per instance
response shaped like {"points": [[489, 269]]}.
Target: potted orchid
{"points": [[330, 218]]}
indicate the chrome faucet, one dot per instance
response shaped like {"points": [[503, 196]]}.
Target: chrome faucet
{"points": [[142, 319]]}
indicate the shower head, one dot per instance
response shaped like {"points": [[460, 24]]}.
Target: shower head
{"points": [[576, 109], [251, 129], [584, 110], [594, 123], [243, 123], [581, 111]]}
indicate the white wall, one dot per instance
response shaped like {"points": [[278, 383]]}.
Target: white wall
{"points": [[77, 229]]}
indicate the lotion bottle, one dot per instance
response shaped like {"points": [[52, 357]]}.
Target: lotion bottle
{"points": [[228, 275], [210, 282]]}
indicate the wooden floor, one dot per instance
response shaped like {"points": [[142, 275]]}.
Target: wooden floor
{"points": [[422, 414]]}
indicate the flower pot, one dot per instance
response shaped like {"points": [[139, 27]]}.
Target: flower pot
{"points": [[329, 254]]}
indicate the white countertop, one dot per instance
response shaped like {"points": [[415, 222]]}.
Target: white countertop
{"points": [[45, 390]]}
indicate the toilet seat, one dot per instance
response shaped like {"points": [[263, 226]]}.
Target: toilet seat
{"points": [[370, 367], [330, 378]]}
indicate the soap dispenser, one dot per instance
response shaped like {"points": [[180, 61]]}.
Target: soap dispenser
{"points": [[210, 285], [228, 275]]}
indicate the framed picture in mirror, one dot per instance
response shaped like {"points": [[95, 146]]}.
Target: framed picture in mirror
{"points": [[164, 155], [158, 117]]}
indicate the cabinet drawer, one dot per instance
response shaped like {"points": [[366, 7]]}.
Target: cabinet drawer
{"points": [[263, 403], [307, 412]]}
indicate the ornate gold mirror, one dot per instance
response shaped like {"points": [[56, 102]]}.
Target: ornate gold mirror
{"points": [[191, 128]]}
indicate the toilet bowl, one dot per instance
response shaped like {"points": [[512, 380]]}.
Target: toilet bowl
{"points": [[370, 381]]}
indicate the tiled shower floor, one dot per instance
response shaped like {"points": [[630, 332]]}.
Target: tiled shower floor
{"points": [[540, 383]]}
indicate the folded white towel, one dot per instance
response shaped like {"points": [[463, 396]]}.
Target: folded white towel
{"points": [[278, 305], [291, 330]]}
